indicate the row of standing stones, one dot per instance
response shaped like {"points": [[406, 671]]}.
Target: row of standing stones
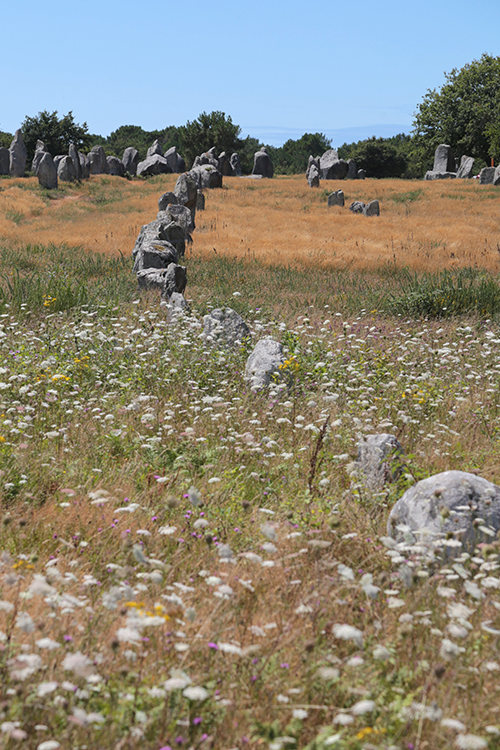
{"points": [[446, 167], [330, 167], [76, 166], [445, 513]]}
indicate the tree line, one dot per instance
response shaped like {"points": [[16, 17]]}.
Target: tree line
{"points": [[464, 113]]}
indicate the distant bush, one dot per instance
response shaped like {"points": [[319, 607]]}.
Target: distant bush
{"points": [[292, 157], [380, 157], [5, 139], [56, 132]]}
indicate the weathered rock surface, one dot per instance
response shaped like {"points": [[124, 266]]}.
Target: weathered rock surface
{"points": [[496, 176], [4, 160], [451, 503], [225, 326], [200, 201], [154, 149], [357, 207], [175, 160], [361, 174], [312, 162], [224, 165], [97, 160], [186, 189], [431, 175], [444, 161], [331, 167], [155, 164], [131, 160], [236, 165], [85, 165], [262, 164], [76, 161], [181, 215], [264, 361], [177, 305], [372, 209], [17, 151], [336, 198], [352, 170], [207, 177], [66, 169], [379, 460], [486, 176], [155, 254], [167, 281], [165, 199], [465, 169], [313, 177], [39, 151], [46, 171], [115, 166]]}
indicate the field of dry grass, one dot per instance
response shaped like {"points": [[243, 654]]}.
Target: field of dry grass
{"points": [[425, 226]]}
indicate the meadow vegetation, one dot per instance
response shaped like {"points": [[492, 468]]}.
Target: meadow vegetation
{"points": [[185, 564]]}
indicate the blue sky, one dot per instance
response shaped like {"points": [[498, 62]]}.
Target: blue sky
{"points": [[279, 69]]}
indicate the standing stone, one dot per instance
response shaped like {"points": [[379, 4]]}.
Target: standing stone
{"points": [[175, 160], [155, 164], [312, 162], [18, 154], [451, 504], [336, 198], [496, 176], [76, 161], [4, 160], [181, 215], [361, 174], [444, 161], [236, 165], [200, 200], [357, 207], [372, 209], [352, 170], [155, 149], [115, 166], [379, 460], [207, 176], [66, 169], [209, 157], [186, 191], [313, 177], [486, 176], [165, 199], [331, 167], [97, 160], [46, 171], [131, 160], [262, 164], [465, 168], [175, 280], [265, 360], [224, 165], [225, 326], [84, 165], [40, 150]]}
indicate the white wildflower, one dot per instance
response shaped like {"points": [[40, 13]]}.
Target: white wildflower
{"points": [[381, 653], [363, 707], [44, 688], [470, 742], [299, 713], [78, 663], [449, 649], [25, 623], [48, 745], [343, 719], [230, 648], [128, 635], [47, 643], [24, 665], [195, 693], [348, 633], [454, 724]]}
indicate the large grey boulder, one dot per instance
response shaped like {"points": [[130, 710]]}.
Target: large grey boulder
{"points": [[39, 151], [209, 157], [312, 162], [372, 209], [264, 362], [444, 161], [313, 177], [84, 165], [331, 167], [379, 460], [451, 504], [46, 171], [97, 160], [181, 215], [167, 281], [155, 164], [225, 326], [66, 169], [73, 153], [262, 164], [157, 254], [336, 198], [206, 176], [486, 176], [236, 165], [361, 174], [352, 170], [18, 153], [131, 160], [4, 160], [115, 166], [166, 199], [159, 231], [465, 169], [175, 160], [224, 165], [431, 175], [186, 189], [154, 149]]}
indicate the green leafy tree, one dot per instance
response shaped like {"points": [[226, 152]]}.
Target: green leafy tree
{"points": [[214, 129], [133, 135], [5, 139], [380, 157], [464, 113], [292, 157], [56, 132]]}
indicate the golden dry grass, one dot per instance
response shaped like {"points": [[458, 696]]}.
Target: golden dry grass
{"points": [[423, 225]]}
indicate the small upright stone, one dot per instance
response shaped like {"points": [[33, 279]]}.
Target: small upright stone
{"points": [[85, 165], [97, 160], [73, 153], [225, 326], [262, 164], [131, 160], [66, 169], [465, 168], [224, 165], [18, 155], [361, 174], [336, 198], [236, 165], [175, 160], [352, 170], [115, 166], [265, 361], [372, 209], [46, 171], [379, 460], [155, 149], [4, 160], [486, 176], [444, 161], [313, 177], [39, 151], [165, 200], [357, 207]]}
